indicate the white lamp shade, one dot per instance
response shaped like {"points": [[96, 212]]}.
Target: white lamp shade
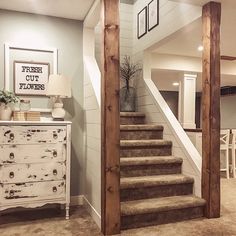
{"points": [[59, 85]]}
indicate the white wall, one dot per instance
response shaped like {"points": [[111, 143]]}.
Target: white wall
{"points": [[92, 117], [66, 36], [126, 30], [92, 137], [173, 16], [126, 33], [228, 111]]}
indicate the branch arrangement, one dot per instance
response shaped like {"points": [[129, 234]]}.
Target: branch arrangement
{"points": [[128, 70]]}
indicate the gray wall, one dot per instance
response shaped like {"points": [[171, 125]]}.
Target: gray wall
{"points": [[171, 98], [228, 111], [66, 36]]}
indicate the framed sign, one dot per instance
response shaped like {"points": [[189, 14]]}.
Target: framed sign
{"points": [[142, 22], [30, 78], [153, 14]]}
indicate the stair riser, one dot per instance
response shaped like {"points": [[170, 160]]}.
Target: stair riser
{"points": [[145, 151], [137, 221], [156, 191], [145, 170], [132, 120], [144, 134]]}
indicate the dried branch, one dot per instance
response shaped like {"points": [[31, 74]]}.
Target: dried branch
{"points": [[128, 70]]}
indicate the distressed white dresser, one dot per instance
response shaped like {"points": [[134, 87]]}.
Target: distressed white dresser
{"points": [[34, 164]]}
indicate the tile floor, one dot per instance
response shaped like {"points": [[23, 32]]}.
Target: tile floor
{"points": [[51, 222]]}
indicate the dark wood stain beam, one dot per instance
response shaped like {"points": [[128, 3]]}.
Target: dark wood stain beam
{"points": [[211, 18], [110, 118]]}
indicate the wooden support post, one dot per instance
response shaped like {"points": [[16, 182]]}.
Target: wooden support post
{"points": [[110, 118], [211, 108]]}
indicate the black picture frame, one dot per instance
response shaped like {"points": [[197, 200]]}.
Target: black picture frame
{"points": [[142, 22], [152, 10]]}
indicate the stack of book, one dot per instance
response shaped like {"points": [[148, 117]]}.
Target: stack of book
{"points": [[26, 116], [19, 116]]}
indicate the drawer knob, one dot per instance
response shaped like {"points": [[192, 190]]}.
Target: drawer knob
{"points": [[54, 153], [55, 136], [54, 189], [12, 136], [54, 172], [11, 155], [11, 193], [11, 175]]}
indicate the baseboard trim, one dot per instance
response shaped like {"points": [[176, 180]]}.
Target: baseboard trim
{"points": [[92, 211], [82, 200]]}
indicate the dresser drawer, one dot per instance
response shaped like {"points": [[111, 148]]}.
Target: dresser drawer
{"points": [[30, 192], [32, 134], [40, 153], [23, 173]]}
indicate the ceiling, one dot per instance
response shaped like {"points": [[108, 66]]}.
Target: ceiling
{"points": [[195, 2], [70, 9], [186, 41]]}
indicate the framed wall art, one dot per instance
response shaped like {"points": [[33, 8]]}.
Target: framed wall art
{"points": [[142, 23], [18, 60], [30, 78], [153, 14]]}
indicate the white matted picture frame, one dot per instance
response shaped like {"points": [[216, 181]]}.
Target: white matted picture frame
{"points": [[30, 78], [8, 47], [142, 23], [153, 14]]}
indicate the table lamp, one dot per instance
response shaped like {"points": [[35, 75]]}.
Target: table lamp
{"points": [[59, 87]]}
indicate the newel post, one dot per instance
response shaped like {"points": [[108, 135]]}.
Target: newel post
{"points": [[110, 118], [211, 18]]}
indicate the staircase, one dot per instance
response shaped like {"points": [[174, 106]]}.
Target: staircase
{"points": [[152, 189]]}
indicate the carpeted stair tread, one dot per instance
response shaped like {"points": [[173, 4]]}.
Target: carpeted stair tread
{"points": [[132, 114], [155, 205], [145, 143], [152, 160], [155, 180], [141, 127]]}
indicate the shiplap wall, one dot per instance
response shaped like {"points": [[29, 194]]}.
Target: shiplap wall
{"points": [[126, 30], [92, 139], [92, 127], [126, 33]]}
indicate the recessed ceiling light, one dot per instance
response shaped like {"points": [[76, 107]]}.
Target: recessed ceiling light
{"points": [[200, 48], [175, 84]]}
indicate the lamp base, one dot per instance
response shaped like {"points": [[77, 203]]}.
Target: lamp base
{"points": [[58, 112]]}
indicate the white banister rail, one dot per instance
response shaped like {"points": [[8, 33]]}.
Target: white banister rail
{"points": [[177, 129], [191, 153]]}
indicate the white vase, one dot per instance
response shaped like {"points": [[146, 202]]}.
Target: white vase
{"points": [[5, 112]]}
